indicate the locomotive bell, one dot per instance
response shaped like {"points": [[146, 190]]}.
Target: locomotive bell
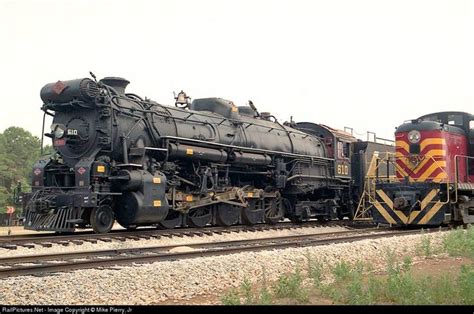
{"points": [[117, 83]]}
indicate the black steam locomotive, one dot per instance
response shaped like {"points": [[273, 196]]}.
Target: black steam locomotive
{"points": [[206, 162]]}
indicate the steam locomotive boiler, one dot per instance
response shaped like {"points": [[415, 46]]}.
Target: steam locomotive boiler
{"points": [[119, 157]]}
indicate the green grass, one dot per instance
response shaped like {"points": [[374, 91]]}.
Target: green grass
{"points": [[460, 242], [346, 283], [231, 298], [314, 269], [425, 247], [290, 286], [248, 295], [466, 283]]}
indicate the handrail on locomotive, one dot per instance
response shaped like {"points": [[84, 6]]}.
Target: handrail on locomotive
{"points": [[390, 160], [466, 177]]}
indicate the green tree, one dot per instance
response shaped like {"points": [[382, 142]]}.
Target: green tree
{"points": [[19, 150]]}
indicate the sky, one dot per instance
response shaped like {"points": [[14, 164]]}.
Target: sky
{"points": [[369, 65]]}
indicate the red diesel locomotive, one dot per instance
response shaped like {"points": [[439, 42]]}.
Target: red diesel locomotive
{"points": [[434, 166]]}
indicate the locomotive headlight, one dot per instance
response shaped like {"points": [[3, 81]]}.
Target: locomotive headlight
{"points": [[58, 132], [414, 136]]}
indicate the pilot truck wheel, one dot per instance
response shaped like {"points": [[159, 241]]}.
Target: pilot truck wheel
{"points": [[102, 219]]}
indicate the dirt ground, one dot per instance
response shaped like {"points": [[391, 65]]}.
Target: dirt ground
{"points": [[434, 266], [422, 267]]}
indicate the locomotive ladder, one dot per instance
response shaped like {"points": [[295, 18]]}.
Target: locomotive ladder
{"points": [[363, 209], [363, 212]]}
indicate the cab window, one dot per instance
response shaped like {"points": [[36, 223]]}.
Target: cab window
{"points": [[346, 150], [471, 125], [455, 119], [433, 118], [342, 150]]}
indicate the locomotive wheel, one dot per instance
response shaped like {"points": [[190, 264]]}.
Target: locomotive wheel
{"points": [[199, 217], [102, 219], [253, 213], [227, 214], [323, 219], [172, 220], [273, 209]]}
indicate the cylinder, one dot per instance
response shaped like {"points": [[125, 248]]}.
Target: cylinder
{"points": [[134, 181], [133, 210]]}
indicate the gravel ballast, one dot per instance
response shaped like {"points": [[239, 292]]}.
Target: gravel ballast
{"points": [[183, 280], [100, 245]]}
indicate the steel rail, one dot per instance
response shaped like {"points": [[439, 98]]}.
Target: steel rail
{"points": [[80, 254], [153, 232], [162, 253]]}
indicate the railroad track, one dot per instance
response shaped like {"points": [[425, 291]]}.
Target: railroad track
{"points": [[47, 240], [60, 262]]}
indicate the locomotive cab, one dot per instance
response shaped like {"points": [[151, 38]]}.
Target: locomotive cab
{"points": [[338, 145]]}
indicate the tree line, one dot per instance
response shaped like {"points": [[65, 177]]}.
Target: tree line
{"points": [[19, 149]]}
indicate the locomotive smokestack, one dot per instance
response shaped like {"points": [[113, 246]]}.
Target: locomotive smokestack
{"points": [[117, 83]]}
